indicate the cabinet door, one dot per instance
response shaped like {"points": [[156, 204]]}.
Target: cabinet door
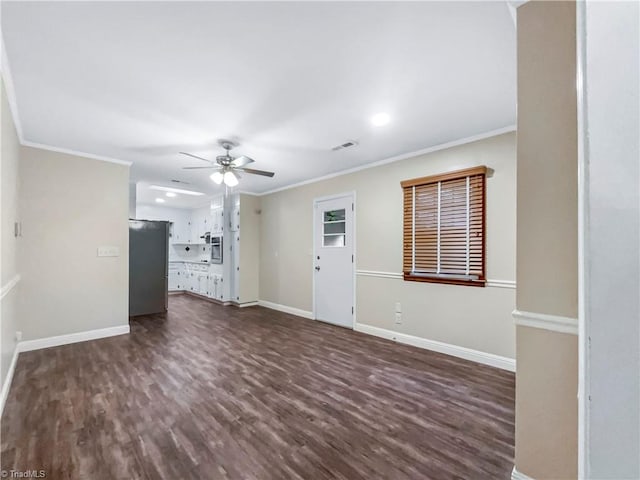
{"points": [[205, 225], [215, 286], [202, 283], [193, 233], [217, 220], [235, 219], [176, 231], [180, 231], [211, 289], [173, 279], [193, 281], [180, 278]]}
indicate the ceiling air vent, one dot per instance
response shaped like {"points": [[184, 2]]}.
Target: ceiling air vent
{"points": [[180, 181], [347, 144]]}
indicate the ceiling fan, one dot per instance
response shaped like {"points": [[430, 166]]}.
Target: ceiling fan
{"points": [[227, 167]]}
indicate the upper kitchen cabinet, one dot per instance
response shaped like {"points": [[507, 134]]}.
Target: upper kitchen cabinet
{"points": [[181, 228], [217, 216], [199, 225]]}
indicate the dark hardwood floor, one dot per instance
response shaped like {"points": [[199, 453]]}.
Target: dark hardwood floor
{"points": [[211, 392]]}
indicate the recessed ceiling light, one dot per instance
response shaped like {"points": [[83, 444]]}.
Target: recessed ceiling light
{"points": [[171, 194], [160, 200], [174, 190], [380, 119]]}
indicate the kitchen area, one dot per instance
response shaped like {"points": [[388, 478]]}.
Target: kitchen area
{"points": [[212, 249]]}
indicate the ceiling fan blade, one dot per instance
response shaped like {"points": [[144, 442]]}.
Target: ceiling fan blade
{"points": [[195, 156], [242, 161], [256, 172], [199, 168]]}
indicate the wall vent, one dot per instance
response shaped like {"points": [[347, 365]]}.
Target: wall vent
{"points": [[347, 144]]}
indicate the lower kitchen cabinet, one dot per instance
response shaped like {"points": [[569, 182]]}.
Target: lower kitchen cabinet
{"points": [[195, 277]]}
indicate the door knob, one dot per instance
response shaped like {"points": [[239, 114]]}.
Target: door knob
{"points": [[317, 269]]}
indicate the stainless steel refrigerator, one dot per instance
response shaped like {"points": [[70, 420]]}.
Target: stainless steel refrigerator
{"points": [[148, 267]]}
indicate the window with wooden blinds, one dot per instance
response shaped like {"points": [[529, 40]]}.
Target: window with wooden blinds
{"points": [[444, 221]]}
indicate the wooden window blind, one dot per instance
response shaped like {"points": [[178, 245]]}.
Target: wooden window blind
{"points": [[444, 228]]}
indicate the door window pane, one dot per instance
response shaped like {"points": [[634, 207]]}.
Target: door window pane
{"points": [[333, 228], [333, 241], [337, 227], [334, 215]]}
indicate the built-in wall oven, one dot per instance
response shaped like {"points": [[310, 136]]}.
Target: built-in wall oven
{"points": [[216, 248]]}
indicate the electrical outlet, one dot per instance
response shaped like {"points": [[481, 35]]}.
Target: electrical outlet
{"points": [[398, 317], [18, 336]]}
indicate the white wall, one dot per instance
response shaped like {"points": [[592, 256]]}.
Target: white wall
{"points": [[69, 207], [9, 212], [610, 38], [476, 318]]}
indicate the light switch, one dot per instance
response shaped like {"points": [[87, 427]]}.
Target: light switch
{"points": [[108, 251]]}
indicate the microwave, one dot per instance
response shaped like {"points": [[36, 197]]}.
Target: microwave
{"points": [[216, 248]]}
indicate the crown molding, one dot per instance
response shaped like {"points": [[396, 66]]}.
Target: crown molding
{"points": [[67, 151], [397, 158]]}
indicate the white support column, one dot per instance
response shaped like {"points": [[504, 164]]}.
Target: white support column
{"points": [[609, 232]]}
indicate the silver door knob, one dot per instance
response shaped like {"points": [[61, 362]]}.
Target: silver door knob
{"points": [[318, 269]]}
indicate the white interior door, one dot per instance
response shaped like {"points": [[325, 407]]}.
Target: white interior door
{"points": [[334, 260]]}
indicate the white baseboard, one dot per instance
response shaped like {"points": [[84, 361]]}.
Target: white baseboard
{"points": [[544, 321], [286, 309], [29, 345], [248, 304], [6, 385], [516, 475], [490, 359]]}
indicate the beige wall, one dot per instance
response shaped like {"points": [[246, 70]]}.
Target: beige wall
{"points": [[9, 206], [249, 248], [477, 318], [547, 159], [69, 206], [547, 272]]}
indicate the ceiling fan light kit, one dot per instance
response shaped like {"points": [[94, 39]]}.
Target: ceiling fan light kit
{"points": [[217, 177], [230, 179], [227, 166]]}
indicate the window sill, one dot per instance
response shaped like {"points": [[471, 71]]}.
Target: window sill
{"points": [[449, 281]]}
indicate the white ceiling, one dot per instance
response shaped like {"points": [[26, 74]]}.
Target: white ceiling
{"points": [[141, 81]]}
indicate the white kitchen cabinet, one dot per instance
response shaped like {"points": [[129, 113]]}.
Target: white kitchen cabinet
{"points": [[173, 277], [202, 279], [217, 220], [177, 277], [215, 286], [200, 224], [180, 231], [193, 226], [180, 228], [188, 278], [234, 221]]}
